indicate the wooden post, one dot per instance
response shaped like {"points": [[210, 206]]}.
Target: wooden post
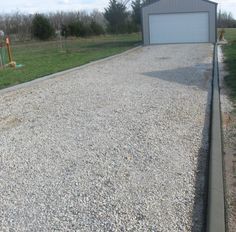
{"points": [[1, 59], [9, 50]]}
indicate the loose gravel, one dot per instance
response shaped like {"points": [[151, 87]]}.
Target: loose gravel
{"points": [[117, 146]]}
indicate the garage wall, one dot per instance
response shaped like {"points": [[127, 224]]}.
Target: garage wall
{"points": [[179, 6]]}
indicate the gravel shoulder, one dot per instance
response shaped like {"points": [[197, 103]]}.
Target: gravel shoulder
{"points": [[117, 146]]}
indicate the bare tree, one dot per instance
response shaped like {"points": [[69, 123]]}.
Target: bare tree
{"points": [[19, 25], [225, 19]]}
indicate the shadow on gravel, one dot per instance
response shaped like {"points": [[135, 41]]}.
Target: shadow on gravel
{"points": [[202, 71], [192, 73], [199, 215]]}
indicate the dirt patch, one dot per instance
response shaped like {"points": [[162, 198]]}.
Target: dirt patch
{"points": [[9, 122]]}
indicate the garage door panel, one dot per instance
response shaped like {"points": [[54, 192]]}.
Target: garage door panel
{"points": [[179, 28]]}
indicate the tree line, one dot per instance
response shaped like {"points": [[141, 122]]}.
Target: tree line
{"points": [[22, 26], [226, 20], [117, 18]]}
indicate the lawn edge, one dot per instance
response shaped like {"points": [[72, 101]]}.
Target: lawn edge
{"points": [[57, 74]]}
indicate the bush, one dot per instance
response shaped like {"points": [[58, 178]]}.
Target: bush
{"points": [[73, 29], [80, 29], [96, 28], [87, 31], [41, 27], [65, 31]]}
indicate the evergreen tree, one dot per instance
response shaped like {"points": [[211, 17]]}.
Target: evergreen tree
{"points": [[116, 15], [136, 13], [41, 27]]}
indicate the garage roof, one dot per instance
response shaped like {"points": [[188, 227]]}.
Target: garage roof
{"points": [[154, 1]]}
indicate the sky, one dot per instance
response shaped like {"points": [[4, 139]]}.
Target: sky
{"points": [[43, 6]]}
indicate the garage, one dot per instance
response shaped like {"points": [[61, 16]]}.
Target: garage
{"points": [[179, 21]]}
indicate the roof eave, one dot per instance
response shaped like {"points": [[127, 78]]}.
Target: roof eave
{"points": [[149, 4]]}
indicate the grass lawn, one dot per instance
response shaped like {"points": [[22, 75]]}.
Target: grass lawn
{"points": [[229, 131], [230, 61], [43, 58]]}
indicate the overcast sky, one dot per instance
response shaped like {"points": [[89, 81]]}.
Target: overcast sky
{"points": [[32, 6]]}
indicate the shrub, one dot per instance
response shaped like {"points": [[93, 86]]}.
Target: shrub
{"points": [[96, 28], [65, 31]]}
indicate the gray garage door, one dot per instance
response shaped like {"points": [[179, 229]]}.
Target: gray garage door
{"points": [[179, 28]]}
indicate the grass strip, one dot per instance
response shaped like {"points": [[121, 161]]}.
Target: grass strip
{"points": [[44, 58]]}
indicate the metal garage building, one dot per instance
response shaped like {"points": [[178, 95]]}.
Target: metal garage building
{"points": [[179, 21]]}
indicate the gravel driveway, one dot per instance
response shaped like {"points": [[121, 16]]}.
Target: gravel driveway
{"points": [[119, 145]]}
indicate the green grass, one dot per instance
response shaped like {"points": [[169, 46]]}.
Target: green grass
{"points": [[230, 61], [43, 58]]}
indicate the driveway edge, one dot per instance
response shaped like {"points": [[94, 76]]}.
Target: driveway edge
{"points": [[54, 75], [216, 203]]}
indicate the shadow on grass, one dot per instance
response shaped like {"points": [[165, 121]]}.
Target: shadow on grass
{"points": [[113, 44]]}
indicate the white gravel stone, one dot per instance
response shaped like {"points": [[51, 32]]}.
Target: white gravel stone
{"points": [[117, 146]]}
